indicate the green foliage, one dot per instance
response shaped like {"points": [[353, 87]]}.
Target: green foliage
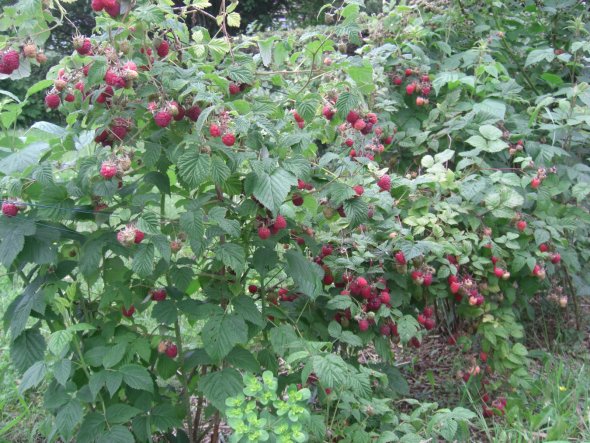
{"points": [[363, 192]]}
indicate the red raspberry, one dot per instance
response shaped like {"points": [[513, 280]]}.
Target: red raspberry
{"points": [[193, 113], [400, 258], [499, 272], [521, 225], [297, 199], [171, 350], [409, 71], [429, 324], [327, 250], [263, 232], [139, 236], [128, 312], [112, 8], [385, 297], [228, 139], [280, 222], [158, 294], [9, 209], [372, 117], [555, 258], [298, 118], [397, 80], [52, 101], [163, 118], [108, 170], [113, 79], [363, 325], [83, 47], [349, 142], [234, 89], [352, 117], [328, 112], [535, 182], [70, 97], [361, 281], [358, 189], [411, 88], [163, 49], [214, 130], [543, 247], [10, 61], [97, 5], [359, 125], [253, 289], [384, 182]]}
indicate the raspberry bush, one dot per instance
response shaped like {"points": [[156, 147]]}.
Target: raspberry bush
{"points": [[222, 225]]}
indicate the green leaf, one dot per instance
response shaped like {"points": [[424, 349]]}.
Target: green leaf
{"points": [[282, 339], [306, 275], [331, 370], [220, 385], [265, 49], [116, 434], [356, 211], [143, 260], [194, 168], [114, 355], [137, 377], [308, 106], [246, 308], [18, 311], [490, 132], [69, 416], [233, 20], [121, 413], [59, 341], [13, 232], [32, 376], [346, 102], [539, 55], [93, 425], [243, 359], [26, 349], [62, 370], [221, 333], [219, 170], [219, 46], [39, 86], [363, 77], [272, 189], [165, 312], [232, 255]]}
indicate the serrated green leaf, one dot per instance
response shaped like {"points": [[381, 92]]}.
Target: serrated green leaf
{"points": [[220, 385], [221, 333]]}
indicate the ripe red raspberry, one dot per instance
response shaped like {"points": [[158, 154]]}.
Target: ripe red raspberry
{"points": [[363, 325], [420, 101], [455, 286], [297, 199], [112, 8], [297, 117], [385, 330], [228, 139], [280, 222], [113, 79], [328, 278], [119, 132], [384, 182], [263, 232], [427, 279], [349, 142], [429, 324], [9, 61], [234, 88], [328, 112], [139, 236], [411, 88], [214, 130], [521, 225], [52, 101], [128, 312], [108, 170], [499, 272], [352, 117], [372, 117], [555, 258], [97, 5], [327, 250], [358, 189], [535, 182], [253, 289], [543, 247], [162, 118], [163, 49], [193, 113], [70, 97], [9, 209], [483, 356], [428, 311], [425, 90], [158, 294], [171, 350], [83, 46], [421, 319], [361, 282], [397, 80], [359, 125], [400, 258]]}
